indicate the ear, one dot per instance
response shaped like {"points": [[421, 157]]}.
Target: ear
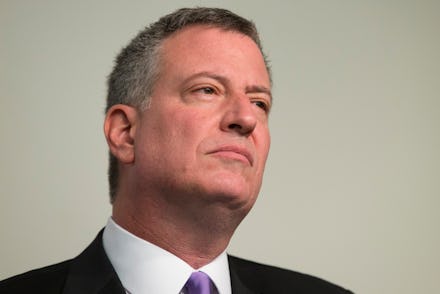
{"points": [[119, 129]]}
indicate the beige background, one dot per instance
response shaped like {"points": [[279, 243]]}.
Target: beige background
{"points": [[352, 186]]}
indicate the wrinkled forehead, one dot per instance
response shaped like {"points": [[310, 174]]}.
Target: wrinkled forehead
{"points": [[232, 56], [193, 32]]}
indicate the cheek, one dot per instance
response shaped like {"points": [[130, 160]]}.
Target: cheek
{"points": [[191, 128], [180, 138]]}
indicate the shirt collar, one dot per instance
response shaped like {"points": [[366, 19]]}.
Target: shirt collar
{"points": [[144, 267]]}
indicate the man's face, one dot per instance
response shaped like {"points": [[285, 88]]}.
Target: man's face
{"points": [[204, 137]]}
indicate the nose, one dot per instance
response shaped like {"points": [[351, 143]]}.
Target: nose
{"points": [[239, 117]]}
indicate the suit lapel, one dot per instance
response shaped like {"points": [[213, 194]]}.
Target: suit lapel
{"points": [[238, 283], [92, 273], [238, 287]]}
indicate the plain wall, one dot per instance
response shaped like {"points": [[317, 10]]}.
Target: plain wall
{"points": [[352, 185]]}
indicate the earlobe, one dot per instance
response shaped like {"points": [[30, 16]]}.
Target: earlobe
{"points": [[119, 129]]}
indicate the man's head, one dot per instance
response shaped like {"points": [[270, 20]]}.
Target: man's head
{"points": [[138, 65], [194, 134]]}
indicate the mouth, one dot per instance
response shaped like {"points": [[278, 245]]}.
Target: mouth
{"points": [[234, 153]]}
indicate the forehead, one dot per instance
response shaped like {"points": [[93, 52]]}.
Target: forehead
{"points": [[205, 48]]}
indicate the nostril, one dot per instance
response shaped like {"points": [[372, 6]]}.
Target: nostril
{"points": [[235, 126]]}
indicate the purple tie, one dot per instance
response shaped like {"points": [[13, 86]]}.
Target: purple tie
{"points": [[199, 283]]}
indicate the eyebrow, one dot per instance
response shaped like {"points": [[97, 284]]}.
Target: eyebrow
{"points": [[225, 80]]}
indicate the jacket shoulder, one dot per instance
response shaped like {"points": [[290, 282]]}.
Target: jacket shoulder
{"points": [[49, 279], [270, 279]]}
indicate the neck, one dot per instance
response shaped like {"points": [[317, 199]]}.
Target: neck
{"points": [[195, 237]]}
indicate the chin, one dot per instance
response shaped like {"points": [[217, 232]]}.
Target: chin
{"points": [[234, 196], [232, 190]]}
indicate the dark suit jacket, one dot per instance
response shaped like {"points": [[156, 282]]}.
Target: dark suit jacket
{"points": [[92, 272]]}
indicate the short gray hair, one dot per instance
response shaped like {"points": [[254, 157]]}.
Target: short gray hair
{"points": [[137, 66]]}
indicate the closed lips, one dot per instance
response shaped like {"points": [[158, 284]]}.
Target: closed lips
{"points": [[231, 150]]}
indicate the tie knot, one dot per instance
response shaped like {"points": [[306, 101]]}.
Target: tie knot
{"points": [[199, 283]]}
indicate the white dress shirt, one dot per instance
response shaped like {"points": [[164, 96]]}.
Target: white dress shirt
{"points": [[145, 268]]}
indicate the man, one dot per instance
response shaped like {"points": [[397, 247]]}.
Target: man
{"points": [[187, 128]]}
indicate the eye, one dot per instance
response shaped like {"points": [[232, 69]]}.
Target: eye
{"points": [[261, 104], [207, 90]]}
